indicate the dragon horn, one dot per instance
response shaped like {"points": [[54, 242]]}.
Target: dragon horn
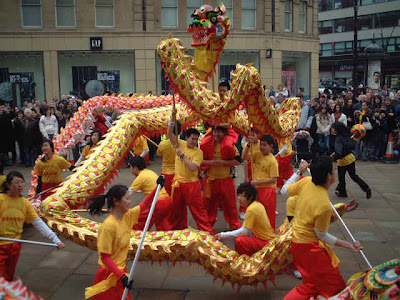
{"points": [[222, 8]]}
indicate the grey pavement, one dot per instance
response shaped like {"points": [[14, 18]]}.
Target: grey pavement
{"points": [[58, 275]]}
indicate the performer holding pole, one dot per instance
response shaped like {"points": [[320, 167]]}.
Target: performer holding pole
{"points": [[265, 173], [141, 148], [14, 211], [312, 255], [284, 158], [186, 190], [168, 154], [160, 183], [146, 181]]}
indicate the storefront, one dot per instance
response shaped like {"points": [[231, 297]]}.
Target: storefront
{"points": [[296, 71], [88, 73], [24, 72]]}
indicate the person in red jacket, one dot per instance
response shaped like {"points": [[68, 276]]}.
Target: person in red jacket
{"points": [[99, 122], [220, 154]]}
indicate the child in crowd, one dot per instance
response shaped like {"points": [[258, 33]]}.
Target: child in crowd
{"points": [[94, 139]]}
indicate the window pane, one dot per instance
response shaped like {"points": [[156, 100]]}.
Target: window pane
{"points": [[31, 2], [192, 6], [288, 21], [169, 3], [65, 16], [194, 3], [248, 4], [105, 2], [288, 5], [65, 2], [364, 22], [169, 17], [229, 10], [248, 19], [326, 27], [31, 16], [104, 16]]}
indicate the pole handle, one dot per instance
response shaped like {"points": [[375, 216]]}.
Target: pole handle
{"points": [[28, 242]]}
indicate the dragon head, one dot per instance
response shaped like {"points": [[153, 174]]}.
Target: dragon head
{"points": [[209, 23]]}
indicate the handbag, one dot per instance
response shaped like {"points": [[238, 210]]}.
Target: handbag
{"points": [[367, 124]]}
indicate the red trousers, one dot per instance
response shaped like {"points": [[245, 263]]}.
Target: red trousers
{"points": [[242, 208], [223, 193], [46, 186], [9, 255], [319, 276], [189, 194], [112, 293], [160, 216], [249, 245], [267, 197], [285, 169], [168, 182]]}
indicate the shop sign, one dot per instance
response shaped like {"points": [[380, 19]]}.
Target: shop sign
{"points": [[96, 43]]}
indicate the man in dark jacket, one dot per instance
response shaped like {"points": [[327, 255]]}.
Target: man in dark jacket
{"points": [[32, 137]]}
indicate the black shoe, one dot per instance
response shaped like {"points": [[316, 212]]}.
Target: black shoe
{"points": [[337, 192], [369, 193], [341, 195]]}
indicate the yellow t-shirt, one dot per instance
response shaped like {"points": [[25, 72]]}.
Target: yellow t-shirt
{"points": [[13, 213], [347, 160], [220, 172], [291, 205], [167, 152], [140, 145], [256, 219], [146, 182], [86, 151], [2, 180], [255, 148], [51, 169], [264, 167], [313, 210], [195, 155], [289, 150], [114, 235]]}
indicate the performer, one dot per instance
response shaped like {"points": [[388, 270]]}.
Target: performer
{"points": [[252, 135], [49, 169], [186, 189], [140, 148], [264, 174], [284, 158], [146, 182], [220, 154], [113, 243], [312, 256], [99, 121], [346, 161], [15, 210], [256, 223], [94, 139], [167, 152]]}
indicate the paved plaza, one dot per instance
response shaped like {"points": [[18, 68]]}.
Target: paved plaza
{"points": [[58, 275]]}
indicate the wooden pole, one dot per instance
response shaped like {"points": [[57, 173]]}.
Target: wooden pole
{"points": [[147, 138]]}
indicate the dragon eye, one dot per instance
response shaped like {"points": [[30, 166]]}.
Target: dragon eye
{"points": [[202, 9]]}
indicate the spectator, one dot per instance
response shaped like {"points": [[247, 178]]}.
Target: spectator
{"points": [[341, 101], [323, 99], [33, 137], [48, 125], [376, 101], [390, 114], [19, 127], [66, 115], [324, 122], [272, 91], [378, 132], [338, 115], [6, 135], [281, 98], [306, 115], [283, 90], [349, 112], [363, 117], [99, 122]]}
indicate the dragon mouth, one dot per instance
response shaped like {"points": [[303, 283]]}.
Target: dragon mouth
{"points": [[200, 38]]}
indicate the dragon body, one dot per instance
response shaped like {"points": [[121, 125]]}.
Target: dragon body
{"points": [[149, 115]]}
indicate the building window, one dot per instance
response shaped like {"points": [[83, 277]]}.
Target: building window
{"points": [[326, 49], [31, 13], [248, 14], [288, 15], [324, 5], [65, 13], [169, 13], [326, 27], [365, 22], [192, 5], [387, 19], [303, 17], [104, 13], [229, 10]]}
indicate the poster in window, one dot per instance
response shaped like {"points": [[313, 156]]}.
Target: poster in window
{"points": [[26, 85], [374, 74], [110, 79]]}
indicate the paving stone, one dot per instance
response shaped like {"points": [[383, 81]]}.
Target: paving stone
{"points": [[63, 260], [73, 287]]}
